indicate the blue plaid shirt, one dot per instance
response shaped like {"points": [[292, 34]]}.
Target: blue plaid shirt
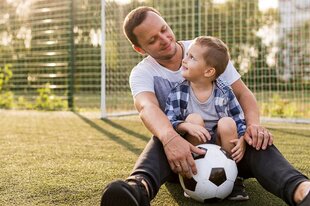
{"points": [[226, 104]]}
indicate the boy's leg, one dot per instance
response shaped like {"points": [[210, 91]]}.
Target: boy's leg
{"points": [[151, 170], [226, 131], [272, 171]]}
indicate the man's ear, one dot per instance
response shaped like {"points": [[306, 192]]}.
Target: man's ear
{"points": [[138, 49], [210, 72]]}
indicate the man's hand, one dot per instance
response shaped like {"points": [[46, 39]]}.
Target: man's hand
{"points": [[179, 155], [258, 137]]}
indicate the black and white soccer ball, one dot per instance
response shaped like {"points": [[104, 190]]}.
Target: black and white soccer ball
{"points": [[216, 174]]}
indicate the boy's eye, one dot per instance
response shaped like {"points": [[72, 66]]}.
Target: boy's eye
{"points": [[191, 57]]}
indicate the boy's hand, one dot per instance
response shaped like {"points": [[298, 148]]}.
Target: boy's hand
{"points": [[197, 131], [238, 151]]}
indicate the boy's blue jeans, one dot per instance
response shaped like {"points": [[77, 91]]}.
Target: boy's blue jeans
{"points": [[268, 166]]}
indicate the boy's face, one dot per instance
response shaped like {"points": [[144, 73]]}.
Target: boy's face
{"points": [[155, 38], [194, 65]]}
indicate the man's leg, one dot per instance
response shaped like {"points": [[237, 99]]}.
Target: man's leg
{"points": [[272, 171], [150, 172], [153, 166]]}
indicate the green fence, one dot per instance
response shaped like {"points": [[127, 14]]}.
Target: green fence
{"points": [[58, 42]]}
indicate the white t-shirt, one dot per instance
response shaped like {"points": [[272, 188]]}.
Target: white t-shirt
{"points": [[150, 76]]}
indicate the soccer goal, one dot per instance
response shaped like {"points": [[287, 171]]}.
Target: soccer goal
{"points": [[268, 41]]}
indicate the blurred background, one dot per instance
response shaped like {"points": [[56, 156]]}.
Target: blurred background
{"points": [[50, 51]]}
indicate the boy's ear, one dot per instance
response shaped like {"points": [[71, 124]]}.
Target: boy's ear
{"points": [[138, 49], [209, 72]]}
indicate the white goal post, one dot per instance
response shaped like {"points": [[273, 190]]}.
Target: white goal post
{"points": [[103, 74]]}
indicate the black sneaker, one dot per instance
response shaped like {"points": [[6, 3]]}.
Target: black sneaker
{"points": [[238, 193], [131, 192]]}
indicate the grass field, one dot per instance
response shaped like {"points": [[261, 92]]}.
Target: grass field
{"points": [[65, 158]]}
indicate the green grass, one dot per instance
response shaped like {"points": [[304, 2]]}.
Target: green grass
{"points": [[64, 158]]}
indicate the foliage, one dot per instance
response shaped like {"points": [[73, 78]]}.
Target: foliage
{"points": [[23, 103], [5, 75], [6, 97], [293, 55], [279, 107], [6, 100], [47, 100]]}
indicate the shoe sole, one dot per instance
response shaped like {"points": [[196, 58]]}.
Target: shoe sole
{"points": [[186, 195], [118, 193], [239, 198]]}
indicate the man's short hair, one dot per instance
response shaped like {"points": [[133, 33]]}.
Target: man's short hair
{"points": [[134, 19], [216, 54]]}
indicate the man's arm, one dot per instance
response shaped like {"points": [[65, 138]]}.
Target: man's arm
{"points": [[256, 135], [177, 149], [152, 116], [235, 111]]}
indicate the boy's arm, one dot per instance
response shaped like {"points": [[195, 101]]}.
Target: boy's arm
{"points": [[255, 135], [173, 110]]}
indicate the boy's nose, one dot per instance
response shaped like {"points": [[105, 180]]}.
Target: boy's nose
{"points": [[184, 61]]}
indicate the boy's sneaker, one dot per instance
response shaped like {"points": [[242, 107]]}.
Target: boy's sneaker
{"points": [[238, 193], [131, 192], [186, 195]]}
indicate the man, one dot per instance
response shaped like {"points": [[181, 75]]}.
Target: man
{"points": [[167, 153]]}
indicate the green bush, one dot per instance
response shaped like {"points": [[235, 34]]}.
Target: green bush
{"points": [[5, 75], [279, 107], [6, 96], [6, 100], [47, 100], [23, 103]]}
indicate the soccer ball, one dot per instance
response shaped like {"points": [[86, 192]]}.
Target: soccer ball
{"points": [[216, 174]]}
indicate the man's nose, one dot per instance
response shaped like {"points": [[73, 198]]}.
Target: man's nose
{"points": [[163, 38]]}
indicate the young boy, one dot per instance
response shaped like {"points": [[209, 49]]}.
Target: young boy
{"points": [[203, 108]]}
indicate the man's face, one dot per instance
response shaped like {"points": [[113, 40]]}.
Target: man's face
{"points": [[156, 37]]}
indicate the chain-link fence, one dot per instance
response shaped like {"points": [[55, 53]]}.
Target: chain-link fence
{"points": [[58, 42]]}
